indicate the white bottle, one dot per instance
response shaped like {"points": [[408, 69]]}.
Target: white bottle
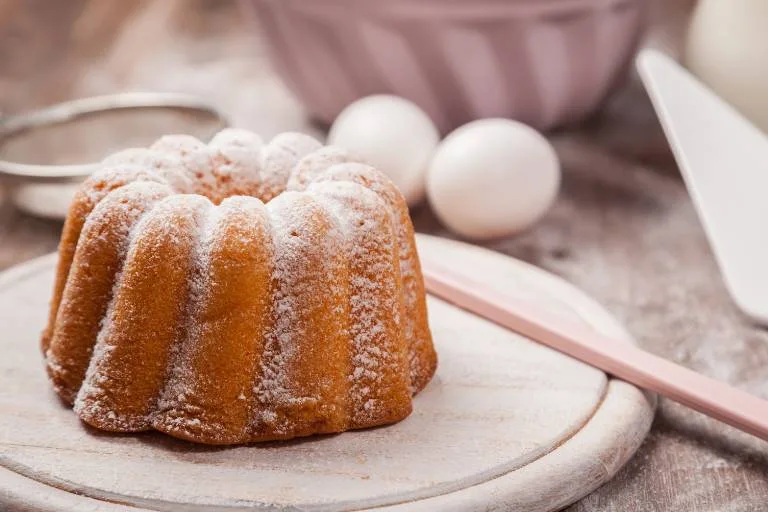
{"points": [[727, 49]]}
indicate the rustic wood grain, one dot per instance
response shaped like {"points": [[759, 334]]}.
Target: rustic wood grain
{"points": [[624, 229], [505, 422]]}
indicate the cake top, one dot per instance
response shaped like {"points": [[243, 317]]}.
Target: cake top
{"points": [[235, 162]]}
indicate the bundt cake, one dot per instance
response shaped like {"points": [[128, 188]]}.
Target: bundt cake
{"points": [[237, 292]]}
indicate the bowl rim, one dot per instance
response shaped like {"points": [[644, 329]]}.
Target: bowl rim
{"points": [[448, 9]]}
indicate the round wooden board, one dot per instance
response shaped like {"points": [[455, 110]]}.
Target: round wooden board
{"points": [[505, 424]]}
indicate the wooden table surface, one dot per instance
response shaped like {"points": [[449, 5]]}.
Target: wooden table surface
{"points": [[623, 229]]}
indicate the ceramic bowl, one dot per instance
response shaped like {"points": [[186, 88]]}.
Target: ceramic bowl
{"points": [[546, 63]]}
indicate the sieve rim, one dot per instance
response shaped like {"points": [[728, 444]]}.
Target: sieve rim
{"points": [[70, 110]]}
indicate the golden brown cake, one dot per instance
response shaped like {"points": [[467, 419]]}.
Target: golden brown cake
{"points": [[237, 292]]}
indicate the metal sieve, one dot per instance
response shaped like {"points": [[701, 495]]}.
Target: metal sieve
{"points": [[45, 154]]}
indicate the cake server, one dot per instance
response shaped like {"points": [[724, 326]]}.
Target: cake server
{"points": [[724, 161], [624, 360]]}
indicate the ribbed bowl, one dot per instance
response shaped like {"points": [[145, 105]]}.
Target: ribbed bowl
{"points": [[544, 62]]}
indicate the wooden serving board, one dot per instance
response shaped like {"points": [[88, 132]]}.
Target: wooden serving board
{"points": [[506, 424]]}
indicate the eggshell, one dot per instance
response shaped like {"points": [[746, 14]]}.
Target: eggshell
{"points": [[493, 178], [392, 134]]}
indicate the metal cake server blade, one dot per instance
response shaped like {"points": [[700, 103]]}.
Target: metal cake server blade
{"points": [[724, 161]]}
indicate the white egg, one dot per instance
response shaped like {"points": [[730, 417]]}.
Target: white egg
{"points": [[392, 134], [492, 178]]}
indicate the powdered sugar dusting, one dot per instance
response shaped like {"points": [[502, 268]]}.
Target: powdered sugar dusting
{"points": [[278, 159], [315, 164], [235, 137], [297, 144], [378, 369], [107, 396], [238, 170], [366, 234], [177, 145], [110, 178], [166, 165], [132, 200], [304, 237], [105, 233], [131, 204], [415, 329], [177, 409]]}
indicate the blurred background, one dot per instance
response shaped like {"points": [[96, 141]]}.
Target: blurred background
{"points": [[219, 51], [622, 226]]}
